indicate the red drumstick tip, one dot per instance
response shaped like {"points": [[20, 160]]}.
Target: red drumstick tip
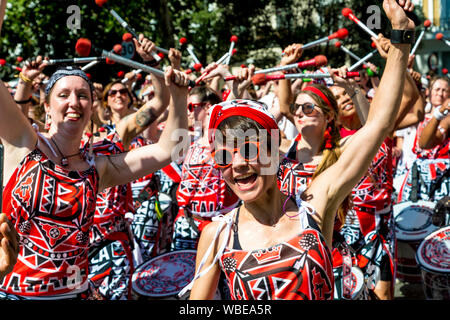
{"points": [[259, 79], [161, 55], [439, 36], [89, 76], [427, 23], [243, 66], [233, 38], [83, 47], [198, 66], [127, 37], [120, 74], [337, 44], [100, 3], [444, 71], [342, 33], [2, 62], [346, 12], [117, 48], [233, 52], [320, 60], [183, 40], [139, 76], [373, 45], [109, 61], [19, 59]]}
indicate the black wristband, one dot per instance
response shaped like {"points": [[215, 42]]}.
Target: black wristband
{"points": [[23, 101], [402, 36]]}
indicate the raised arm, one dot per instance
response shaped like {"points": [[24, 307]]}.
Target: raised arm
{"points": [[330, 188], [285, 95], [129, 166], [436, 130], [132, 125]]}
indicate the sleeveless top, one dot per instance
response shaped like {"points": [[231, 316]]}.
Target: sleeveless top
{"points": [[52, 210], [202, 190], [297, 269]]}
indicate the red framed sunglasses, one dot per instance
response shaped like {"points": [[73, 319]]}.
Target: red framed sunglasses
{"points": [[223, 157], [192, 106]]}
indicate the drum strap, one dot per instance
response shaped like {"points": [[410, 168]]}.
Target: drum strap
{"points": [[225, 221], [346, 272], [150, 190]]}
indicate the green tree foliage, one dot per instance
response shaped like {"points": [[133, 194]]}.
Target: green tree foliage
{"points": [[263, 28]]}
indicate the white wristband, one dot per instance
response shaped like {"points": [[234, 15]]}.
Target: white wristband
{"points": [[438, 115]]}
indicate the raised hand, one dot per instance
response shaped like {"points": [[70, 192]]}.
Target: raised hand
{"points": [[144, 47], [396, 13], [292, 53], [33, 67]]}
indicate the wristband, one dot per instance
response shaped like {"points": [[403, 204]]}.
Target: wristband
{"points": [[402, 36], [438, 115], [23, 101], [24, 78]]}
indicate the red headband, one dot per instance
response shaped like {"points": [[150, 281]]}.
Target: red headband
{"points": [[247, 108], [320, 94]]}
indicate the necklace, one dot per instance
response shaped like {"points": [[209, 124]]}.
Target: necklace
{"points": [[64, 159]]}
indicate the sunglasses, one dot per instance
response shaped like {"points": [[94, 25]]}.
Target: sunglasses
{"points": [[307, 107], [114, 92], [192, 106], [224, 156]]}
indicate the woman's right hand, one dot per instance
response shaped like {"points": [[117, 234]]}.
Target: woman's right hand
{"points": [[292, 53], [33, 67]]}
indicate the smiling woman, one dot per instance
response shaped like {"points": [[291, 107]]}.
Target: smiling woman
{"points": [[52, 183]]}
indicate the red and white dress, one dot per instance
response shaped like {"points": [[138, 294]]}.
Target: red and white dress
{"points": [[52, 209]]}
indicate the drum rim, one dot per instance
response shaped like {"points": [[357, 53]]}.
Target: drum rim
{"points": [[139, 267], [406, 236], [424, 265]]}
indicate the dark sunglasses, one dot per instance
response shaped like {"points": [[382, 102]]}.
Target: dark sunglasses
{"points": [[114, 92], [224, 156], [307, 107], [192, 106]]}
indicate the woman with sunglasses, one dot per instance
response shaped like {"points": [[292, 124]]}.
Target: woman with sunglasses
{"points": [[202, 193], [272, 247], [52, 184]]}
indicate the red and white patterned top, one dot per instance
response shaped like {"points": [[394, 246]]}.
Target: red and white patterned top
{"points": [[52, 209]]}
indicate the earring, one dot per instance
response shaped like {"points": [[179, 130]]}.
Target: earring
{"points": [[327, 137], [48, 121]]}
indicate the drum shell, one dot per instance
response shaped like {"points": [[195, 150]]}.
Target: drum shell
{"points": [[412, 224], [358, 290], [433, 259]]}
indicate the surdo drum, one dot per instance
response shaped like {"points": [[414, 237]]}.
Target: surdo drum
{"points": [[164, 276], [413, 222], [433, 257]]}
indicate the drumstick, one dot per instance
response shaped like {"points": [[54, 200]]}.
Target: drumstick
{"points": [[317, 61], [124, 24], [348, 13], [426, 24], [364, 59], [261, 78], [233, 41]]}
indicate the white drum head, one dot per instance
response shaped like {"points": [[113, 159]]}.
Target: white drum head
{"points": [[413, 220], [434, 251]]}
